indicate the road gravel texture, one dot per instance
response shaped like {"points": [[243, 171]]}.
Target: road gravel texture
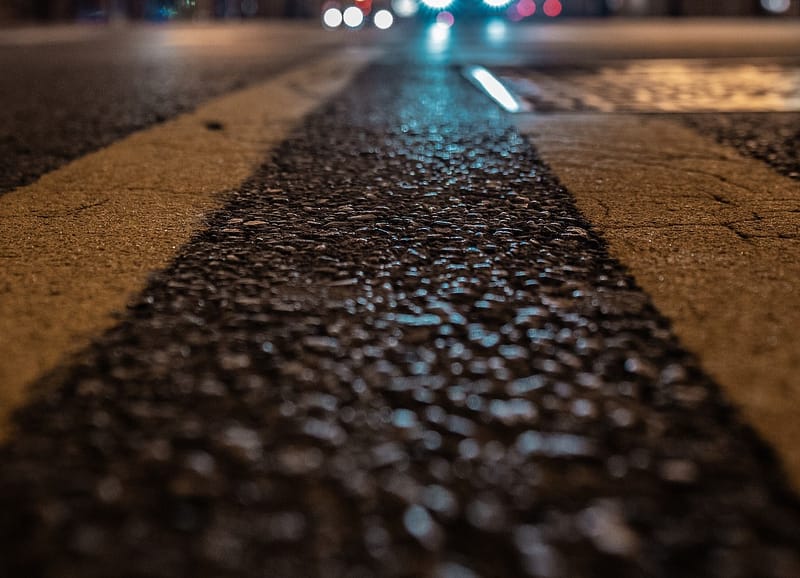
{"points": [[770, 137], [398, 351], [748, 98]]}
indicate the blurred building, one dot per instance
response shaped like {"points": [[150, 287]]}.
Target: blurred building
{"points": [[200, 9], [688, 8], [156, 9], [699, 8]]}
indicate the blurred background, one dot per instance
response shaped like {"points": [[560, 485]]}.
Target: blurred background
{"points": [[15, 11]]}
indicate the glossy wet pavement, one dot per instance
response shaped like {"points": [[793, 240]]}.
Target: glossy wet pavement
{"points": [[750, 104], [72, 90], [398, 351]]}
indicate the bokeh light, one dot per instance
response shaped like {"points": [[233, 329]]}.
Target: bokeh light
{"points": [[383, 19], [496, 30], [445, 19], [332, 17], [405, 8], [353, 17], [438, 38], [526, 8], [364, 5], [776, 6], [552, 8], [497, 3], [437, 4]]}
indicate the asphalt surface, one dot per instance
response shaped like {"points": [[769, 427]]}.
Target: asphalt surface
{"points": [[748, 104], [398, 351], [72, 90], [769, 137]]}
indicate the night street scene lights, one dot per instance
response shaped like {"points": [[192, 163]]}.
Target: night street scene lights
{"points": [[497, 3], [437, 4]]}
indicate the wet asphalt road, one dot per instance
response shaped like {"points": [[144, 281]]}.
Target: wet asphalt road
{"points": [[71, 91], [398, 351], [771, 138]]}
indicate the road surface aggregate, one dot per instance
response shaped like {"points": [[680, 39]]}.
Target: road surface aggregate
{"points": [[398, 351], [773, 138], [768, 129]]}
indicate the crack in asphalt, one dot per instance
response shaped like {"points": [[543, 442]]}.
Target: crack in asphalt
{"points": [[718, 177], [398, 351], [75, 210]]}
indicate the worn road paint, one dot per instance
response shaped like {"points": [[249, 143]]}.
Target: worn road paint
{"points": [[662, 86], [75, 245], [713, 237]]}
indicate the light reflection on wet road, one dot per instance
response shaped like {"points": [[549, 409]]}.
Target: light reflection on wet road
{"points": [[407, 356], [398, 351]]}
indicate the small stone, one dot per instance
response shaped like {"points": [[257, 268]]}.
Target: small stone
{"points": [[419, 523], [109, 489], [487, 513], [243, 442], [604, 524], [299, 460], [678, 471], [285, 526]]}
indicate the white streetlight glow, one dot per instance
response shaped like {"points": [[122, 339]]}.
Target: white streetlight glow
{"points": [[383, 19], [332, 18], [496, 30], [776, 6], [405, 8], [437, 4], [438, 38], [497, 3], [353, 17]]}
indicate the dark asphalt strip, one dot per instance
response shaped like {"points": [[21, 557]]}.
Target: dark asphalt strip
{"points": [[773, 138], [398, 351]]}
